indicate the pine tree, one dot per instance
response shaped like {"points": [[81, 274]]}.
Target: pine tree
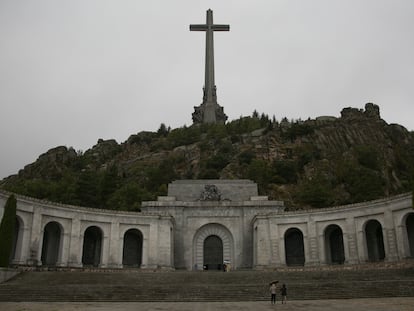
{"points": [[7, 227]]}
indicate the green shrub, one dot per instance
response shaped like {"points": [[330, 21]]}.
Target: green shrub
{"points": [[7, 227]]}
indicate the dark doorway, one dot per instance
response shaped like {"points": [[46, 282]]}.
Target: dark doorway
{"points": [[213, 253], [92, 244], [334, 245], [375, 241], [51, 244], [410, 233], [132, 253], [295, 251]]}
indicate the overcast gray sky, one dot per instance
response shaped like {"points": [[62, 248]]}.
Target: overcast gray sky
{"points": [[74, 71]]}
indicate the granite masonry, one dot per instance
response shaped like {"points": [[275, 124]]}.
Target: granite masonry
{"points": [[204, 224]]}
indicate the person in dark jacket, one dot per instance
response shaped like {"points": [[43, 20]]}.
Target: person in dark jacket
{"points": [[283, 293]]}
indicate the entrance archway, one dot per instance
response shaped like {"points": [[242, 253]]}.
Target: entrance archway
{"points": [[334, 245], [375, 241], [207, 239], [294, 247], [213, 253], [409, 223], [132, 251], [51, 244], [17, 240], [92, 244]]}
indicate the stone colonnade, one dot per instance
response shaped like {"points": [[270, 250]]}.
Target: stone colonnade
{"points": [[380, 230], [172, 234], [78, 236]]}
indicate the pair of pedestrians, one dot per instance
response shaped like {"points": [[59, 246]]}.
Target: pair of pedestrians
{"points": [[273, 291]]}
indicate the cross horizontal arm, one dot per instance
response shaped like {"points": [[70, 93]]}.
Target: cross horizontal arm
{"points": [[198, 27], [220, 27], [213, 27]]}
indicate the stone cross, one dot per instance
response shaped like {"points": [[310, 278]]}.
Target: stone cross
{"points": [[209, 111]]}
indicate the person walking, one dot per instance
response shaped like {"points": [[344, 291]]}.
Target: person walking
{"points": [[273, 289], [283, 293]]}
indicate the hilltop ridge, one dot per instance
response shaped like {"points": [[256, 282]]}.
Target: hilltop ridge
{"points": [[313, 163]]}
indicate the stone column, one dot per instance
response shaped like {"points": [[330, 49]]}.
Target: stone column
{"points": [[311, 245], [150, 247], [65, 244], [390, 241], [361, 243], [105, 248], [35, 238], [165, 244], [263, 247], [402, 240], [350, 242], [322, 248], [76, 243], [274, 242], [115, 246]]}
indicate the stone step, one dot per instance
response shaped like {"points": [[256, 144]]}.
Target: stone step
{"points": [[136, 285]]}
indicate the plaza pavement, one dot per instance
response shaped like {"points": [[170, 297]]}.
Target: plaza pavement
{"points": [[374, 304]]}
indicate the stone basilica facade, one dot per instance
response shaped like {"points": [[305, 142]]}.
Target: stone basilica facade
{"points": [[202, 224]]}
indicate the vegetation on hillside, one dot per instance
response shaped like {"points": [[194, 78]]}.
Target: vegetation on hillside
{"points": [[312, 163]]}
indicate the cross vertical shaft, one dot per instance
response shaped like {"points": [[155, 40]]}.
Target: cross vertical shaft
{"points": [[207, 112]]}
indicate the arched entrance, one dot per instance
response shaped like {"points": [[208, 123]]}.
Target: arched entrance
{"points": [[132, 251], [17, 240], [212, 245], [410, 233], [213, 253], [294, 247], [375, 241], [51, 244], [92, 244], [334, 245]]}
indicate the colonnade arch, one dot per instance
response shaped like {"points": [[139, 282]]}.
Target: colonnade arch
{"points": [[374, 240], [294, 247], [132, 248], [409, 224], [17, 240], [92, 246], [334, 245], [51, 243]]}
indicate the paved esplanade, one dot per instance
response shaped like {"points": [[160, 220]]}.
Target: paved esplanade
{"points": [[209, 111], [375, 304]]}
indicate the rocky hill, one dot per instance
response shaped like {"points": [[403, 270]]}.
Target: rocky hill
{"points": [[318, 163]]}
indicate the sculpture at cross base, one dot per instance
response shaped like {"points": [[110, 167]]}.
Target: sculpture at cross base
{"points": [[209, 111]]}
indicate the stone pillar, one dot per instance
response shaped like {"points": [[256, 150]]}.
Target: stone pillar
{"points": [[165, 244], [322, 248], [263, 247], [402, 240], [105, 249], [76, 243], [311, 245], [115, 246], [274, 243], [64, 253], [361, 243], [35, 238], [282, 251], [390, 241], [150, 248], [350, 242], [22, 254]]}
